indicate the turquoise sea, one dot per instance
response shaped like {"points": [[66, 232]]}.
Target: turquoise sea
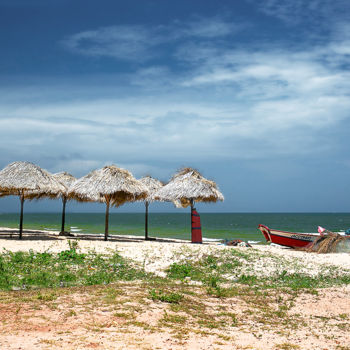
{"points": [[177, 225]]}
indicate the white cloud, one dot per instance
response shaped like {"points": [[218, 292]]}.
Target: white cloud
{"points": [[127, 42], [137, 131], [297, 11], [122, 42], [207, 28], [282, 89]]}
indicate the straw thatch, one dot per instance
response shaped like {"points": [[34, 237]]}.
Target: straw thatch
{"points": [[20, 178], [111, 185], [28, 181], [189, 185], [66, 180], [152, 185]]}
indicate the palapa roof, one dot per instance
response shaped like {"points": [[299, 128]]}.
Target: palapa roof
{"points": [[66, 180], [29, 179], [152, 185], [110, 183], [186, 185]]}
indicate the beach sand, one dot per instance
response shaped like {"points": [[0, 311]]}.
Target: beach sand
{"points": [[326, 316]]}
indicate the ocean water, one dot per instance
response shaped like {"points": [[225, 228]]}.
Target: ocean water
{"points": [[178, 225]]}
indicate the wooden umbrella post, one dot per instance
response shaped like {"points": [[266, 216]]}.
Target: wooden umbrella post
{"points": [[21, 216], [146, 220], [66, 180], [106, 218], [64, 201], [152, 186]]}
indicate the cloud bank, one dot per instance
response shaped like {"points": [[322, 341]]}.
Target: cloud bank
{"points": [[200, 100]]}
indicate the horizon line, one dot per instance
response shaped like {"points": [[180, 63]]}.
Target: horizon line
{"points": [[172, 212]]}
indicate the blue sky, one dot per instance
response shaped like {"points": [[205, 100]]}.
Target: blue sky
{"points": [[254, 94]]}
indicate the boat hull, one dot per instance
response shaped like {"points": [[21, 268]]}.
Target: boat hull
{"points": [[288, 239]]}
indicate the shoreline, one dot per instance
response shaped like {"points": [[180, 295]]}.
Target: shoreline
{"points": [[229, 226]]}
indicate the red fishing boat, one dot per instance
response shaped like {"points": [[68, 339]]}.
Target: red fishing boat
{"points": [[288, 239]]}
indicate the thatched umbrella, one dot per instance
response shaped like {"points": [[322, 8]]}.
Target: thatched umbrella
{"points": [[188, 186], [27, 181], [111, 185], [66, 180], [152, 185]]}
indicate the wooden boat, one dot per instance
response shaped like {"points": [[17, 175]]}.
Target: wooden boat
{"points": [[288, 239]]}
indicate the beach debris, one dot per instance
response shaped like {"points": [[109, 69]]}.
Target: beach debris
{"points": [[321, 230], [254, 242], [329, 242], [238, 243]]}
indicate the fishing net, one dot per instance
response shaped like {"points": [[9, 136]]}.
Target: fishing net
{"points": [[330, 243]]}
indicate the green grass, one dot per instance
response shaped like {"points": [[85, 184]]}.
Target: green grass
{"points": [[208, 270], [218, 272], [236, 267], [168, 297], [28, 270], [294, 281]]}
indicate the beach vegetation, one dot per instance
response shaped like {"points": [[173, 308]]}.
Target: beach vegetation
{"points": [[181, 271], [28, 270], [232, 267], [287, 346], [232, 318], [47, 296], [70, 313], [170, 319], [206, 294], [164, 296]]}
